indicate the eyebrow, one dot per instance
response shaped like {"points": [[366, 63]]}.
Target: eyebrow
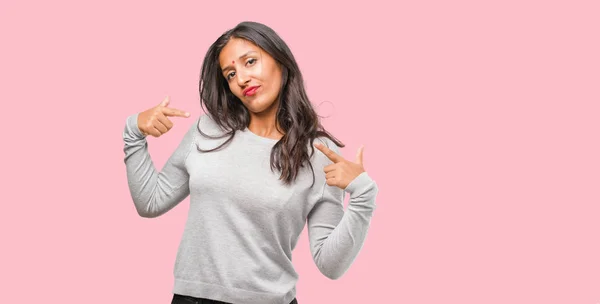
{"points": [[229, 67]]}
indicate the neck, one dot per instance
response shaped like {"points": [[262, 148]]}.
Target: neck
{"points": [[263, 124]]}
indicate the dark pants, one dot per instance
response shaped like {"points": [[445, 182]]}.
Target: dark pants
{"points": [[181, 299]]}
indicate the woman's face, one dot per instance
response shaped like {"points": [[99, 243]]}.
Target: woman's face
{"points": [[252, 74]]}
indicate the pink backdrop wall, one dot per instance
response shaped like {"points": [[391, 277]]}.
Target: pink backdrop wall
{"points": [[479, 120]]}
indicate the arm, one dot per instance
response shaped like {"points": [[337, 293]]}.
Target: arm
{"points": [[335, 236], [154, 193]]}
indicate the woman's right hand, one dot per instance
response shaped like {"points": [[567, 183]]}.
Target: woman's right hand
{"points": [[154, 121]]}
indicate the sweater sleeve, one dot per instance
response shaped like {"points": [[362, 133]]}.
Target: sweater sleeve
{"points": [[336, 236], [154, 193]]}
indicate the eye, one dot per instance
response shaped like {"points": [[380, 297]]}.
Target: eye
{"points": [[250, 61]]}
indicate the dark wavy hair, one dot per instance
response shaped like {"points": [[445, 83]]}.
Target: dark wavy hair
{"points": [[295, 114]]}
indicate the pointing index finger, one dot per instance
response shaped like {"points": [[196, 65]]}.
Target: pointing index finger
{"points": [[336, 158], [174, 112]]}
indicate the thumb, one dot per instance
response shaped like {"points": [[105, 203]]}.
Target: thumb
{"points": [[359, 155], [165, 101]]}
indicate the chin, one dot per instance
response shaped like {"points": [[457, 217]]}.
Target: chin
{"points": [[256, 110], [256, 105], [253, 107]]}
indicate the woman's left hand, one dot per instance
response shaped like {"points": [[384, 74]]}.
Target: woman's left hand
{"points": [[342, 172]]}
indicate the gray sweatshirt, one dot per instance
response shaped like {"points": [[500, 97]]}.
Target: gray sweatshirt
{"points": [[243, 222]]}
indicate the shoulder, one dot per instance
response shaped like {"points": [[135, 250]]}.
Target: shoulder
{"points": [[320, 158], [208, 125], [328, 143]]}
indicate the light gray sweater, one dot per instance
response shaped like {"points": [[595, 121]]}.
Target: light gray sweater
{"points": [[243, 222]]}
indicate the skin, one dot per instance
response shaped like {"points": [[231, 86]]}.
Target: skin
{"points": [[257, 68], [342, 172], [155, 121]]}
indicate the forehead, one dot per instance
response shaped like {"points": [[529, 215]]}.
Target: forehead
{"points": [[235, 48]]}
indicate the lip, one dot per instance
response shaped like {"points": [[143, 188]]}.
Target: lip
{"points": [[248, 89]]}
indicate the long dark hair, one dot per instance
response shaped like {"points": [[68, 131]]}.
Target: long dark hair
{"points": [[295, 114]]}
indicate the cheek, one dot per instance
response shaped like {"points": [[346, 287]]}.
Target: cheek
{"points": [[233, 90], [276, 79], [276, 83]]}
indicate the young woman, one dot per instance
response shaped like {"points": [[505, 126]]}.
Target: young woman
{"points": [[253, 176]]}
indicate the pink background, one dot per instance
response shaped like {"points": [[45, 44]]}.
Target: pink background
{"points": [[480, 124]]}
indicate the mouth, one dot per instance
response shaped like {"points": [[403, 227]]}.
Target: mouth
{"points": [[250, 91]]}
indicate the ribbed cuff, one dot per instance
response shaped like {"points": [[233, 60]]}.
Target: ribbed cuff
{"points": [[360, 184], [133, 126]]}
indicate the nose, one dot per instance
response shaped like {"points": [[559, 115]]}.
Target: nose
{"points": [[242, 78]]}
